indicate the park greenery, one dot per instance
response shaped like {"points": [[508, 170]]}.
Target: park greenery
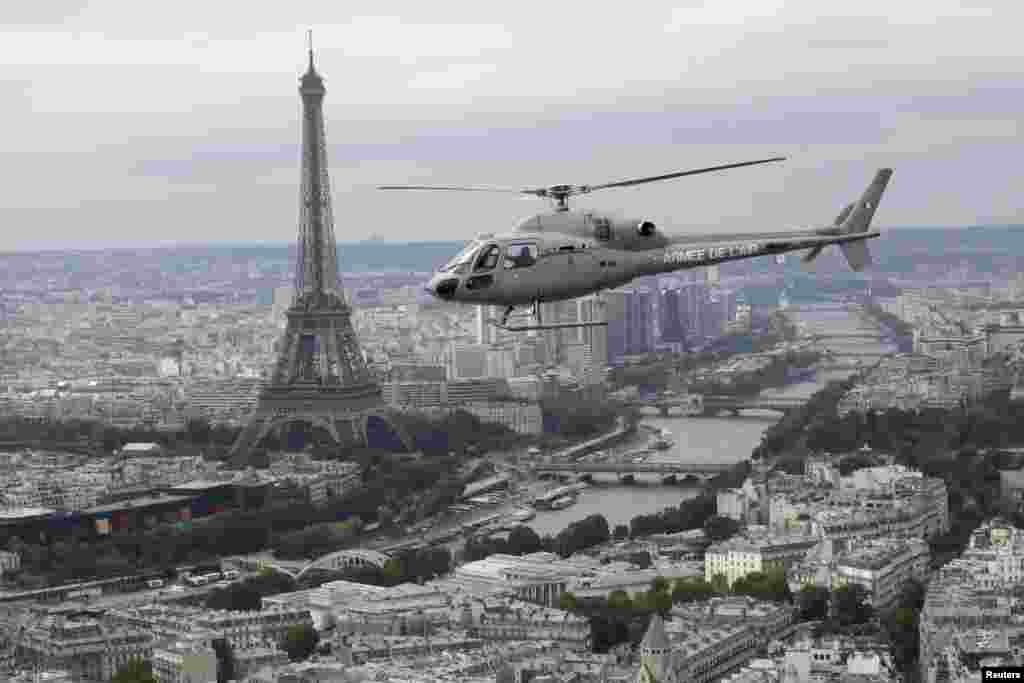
{"points": [[135, 670], [657, 374], [300, 641], [620, 617], [522, 540], [776, 374], [719, 528], [788, 435], [577, 418], [438, 435], [692, 513]]}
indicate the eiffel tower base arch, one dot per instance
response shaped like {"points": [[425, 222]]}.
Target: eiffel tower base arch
{"points": [[345, 428]]}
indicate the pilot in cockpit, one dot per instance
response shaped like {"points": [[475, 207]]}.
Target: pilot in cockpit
{"points": [[524, 258]]}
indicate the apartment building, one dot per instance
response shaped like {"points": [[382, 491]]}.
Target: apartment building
{"points": [[761, 552]]}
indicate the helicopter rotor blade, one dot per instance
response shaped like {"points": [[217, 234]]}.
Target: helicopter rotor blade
{"points": [[458, 189], [680, 174]]}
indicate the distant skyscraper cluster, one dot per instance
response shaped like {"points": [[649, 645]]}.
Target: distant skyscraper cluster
{"points": [[582, 351], [670, 314]]}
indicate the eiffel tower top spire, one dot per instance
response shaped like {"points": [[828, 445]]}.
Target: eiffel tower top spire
{"points": [[311, 81], [316, 273]]}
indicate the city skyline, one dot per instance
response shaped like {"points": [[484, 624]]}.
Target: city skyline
{"points": [[155, 131]]}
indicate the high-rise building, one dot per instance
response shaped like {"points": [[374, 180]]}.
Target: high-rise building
{"points": [[617, 334], [630, 315], [595, 339], [672, 329], [643, 320]]}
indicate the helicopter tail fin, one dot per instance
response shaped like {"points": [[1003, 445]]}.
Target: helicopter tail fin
{"points": [[857, 219]]}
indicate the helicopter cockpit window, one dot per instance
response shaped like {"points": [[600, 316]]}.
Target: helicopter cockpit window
{"points": [[602, 228], [460, 263], [488, 259], [520, 256]]}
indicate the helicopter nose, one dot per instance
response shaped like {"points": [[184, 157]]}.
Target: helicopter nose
{"points": [[443, 288]]}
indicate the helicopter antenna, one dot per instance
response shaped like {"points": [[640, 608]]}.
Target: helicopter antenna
{"points": [[560, 194]]}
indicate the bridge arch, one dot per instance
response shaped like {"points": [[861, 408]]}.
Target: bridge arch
{"points": [[346, 559]]}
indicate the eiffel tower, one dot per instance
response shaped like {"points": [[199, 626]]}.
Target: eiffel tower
{"points": [[321, 378]]}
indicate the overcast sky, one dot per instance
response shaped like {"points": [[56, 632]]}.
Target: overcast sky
{"points": [[140, 123]]}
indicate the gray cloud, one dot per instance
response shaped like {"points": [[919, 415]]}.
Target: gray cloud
{"points": [[184, 119]]}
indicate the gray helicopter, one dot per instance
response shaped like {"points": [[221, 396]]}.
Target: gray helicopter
{"points": [[568, 254]]}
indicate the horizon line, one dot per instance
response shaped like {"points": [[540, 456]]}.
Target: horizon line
{"points": [[170, 246]]}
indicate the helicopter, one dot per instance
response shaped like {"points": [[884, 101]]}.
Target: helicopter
{"points": [[567, 254]]}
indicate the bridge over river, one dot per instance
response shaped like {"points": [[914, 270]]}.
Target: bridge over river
{"points": [[704, 469], [707, 406], [848, 336]]}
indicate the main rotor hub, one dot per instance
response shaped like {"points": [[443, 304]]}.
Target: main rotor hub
{"points": [[561, 193]]}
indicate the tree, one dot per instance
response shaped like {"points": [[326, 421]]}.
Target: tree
{"points": [[523, 540], [813, 603], [901, 627], [225, 660], [619, 600], [590, 531], [653, 599], [621, 532], [567, 601], [136, 670], [393, 569], [239, 597], [300, 641], [850, 605], [719, 528], [691, 590], [770, 585]]}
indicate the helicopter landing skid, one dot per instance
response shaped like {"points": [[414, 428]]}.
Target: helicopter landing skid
{"points": [[553, 326]]}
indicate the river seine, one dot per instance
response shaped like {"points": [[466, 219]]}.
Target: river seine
{"points": [[720, 440]]}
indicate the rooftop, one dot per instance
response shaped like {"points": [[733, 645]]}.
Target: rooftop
{"points": [[137, 503]]}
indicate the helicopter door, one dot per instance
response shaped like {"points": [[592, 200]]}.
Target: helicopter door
{"points": [[520, 266], [483, 268], [577, 274]]}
